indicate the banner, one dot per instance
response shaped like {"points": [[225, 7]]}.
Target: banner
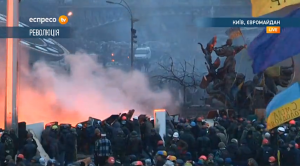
{"points": [[284, 107], [262, 7]]}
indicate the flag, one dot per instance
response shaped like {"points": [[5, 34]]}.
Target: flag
{"points": [[233, 33], [284, 107], [269, 49], [262, 7]]}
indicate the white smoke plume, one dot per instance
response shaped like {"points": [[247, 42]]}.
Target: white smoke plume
{"points": [[89, 90]]}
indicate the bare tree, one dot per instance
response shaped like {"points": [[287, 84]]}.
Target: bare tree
{"points": [[185, 74]]}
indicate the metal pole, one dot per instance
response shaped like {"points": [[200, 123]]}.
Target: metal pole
{"points": [[11, 121], [131, 43]]}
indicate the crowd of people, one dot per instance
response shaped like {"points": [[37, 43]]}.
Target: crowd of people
{"points": [[231, 141]]}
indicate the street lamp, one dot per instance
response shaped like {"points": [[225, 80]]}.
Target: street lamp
{"points": [[11, 113], [132, 21]]}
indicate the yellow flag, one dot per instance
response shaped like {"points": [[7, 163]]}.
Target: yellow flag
{"points": [[262, 7]]}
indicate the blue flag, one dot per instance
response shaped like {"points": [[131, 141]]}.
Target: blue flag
{"points": [[269, 49]]}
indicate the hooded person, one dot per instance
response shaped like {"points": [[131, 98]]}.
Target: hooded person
{"points": [[89, 135], [8, 160], [228, 162], [203, 145], [154, 139], [35, 161], [146, 127], [222, 136], [29, 150], [173, 150], [222, 153], [213, 138], [168, 137], [159, 160], [292, 155], [70, 146], [244, 153], [188, 137], [233, 148], [45, 139], [179, 162], [119, 145], [135, 145], [115, 128]]}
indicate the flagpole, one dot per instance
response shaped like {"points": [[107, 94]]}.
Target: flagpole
{"points": [[12, 20]]}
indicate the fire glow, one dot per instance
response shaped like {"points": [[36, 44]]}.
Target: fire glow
{"points": [[46, 96]]}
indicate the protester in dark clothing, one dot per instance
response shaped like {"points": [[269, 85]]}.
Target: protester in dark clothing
{"points": [[70, 146], [119, 145], [233, 148], [80, 137], [89, 134], [124, 126], [135, 145], [45, 139], [188, 137], [182, 146], [244, 153], [292, 155], [29, 150], [264, 153], [203, 145], [136, 125], [146, 127], [160, 146], [154, 138], [214, 139], [2, 153]]}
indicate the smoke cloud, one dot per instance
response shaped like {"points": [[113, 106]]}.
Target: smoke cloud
{"points": [[88, 90]]}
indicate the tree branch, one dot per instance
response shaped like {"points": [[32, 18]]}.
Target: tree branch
{"points": [[186, 76]]}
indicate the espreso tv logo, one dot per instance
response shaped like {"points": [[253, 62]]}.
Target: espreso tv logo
{"points": [[62, 20]]}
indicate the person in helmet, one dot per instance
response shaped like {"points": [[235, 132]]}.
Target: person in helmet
{"points": [[136, 125], [272, 161], [111, 161], [160, 145], [181, 145], [137, 163], [264, 152], [282, 135], [79, 131]]}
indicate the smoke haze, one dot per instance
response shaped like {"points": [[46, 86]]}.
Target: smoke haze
{"points": [[90, 90]]}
